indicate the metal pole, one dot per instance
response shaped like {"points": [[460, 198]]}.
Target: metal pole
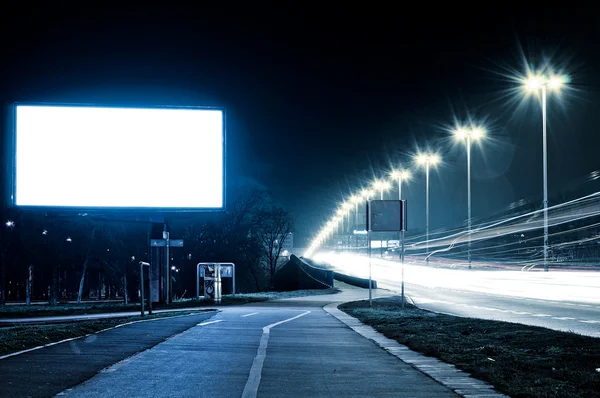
{"points": [[545, 148], [149, 292], [381, 241], [369, 249], [469, 196], [233, 278], [370, 283], [142, 286], [197, 280], [427, 213], [168, 270], [356, 223], [401, 237]]}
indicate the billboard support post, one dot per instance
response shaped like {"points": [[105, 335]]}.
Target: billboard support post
{"points": [[167, 243]]}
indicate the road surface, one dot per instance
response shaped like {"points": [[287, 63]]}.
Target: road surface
{"points": [[287, 348], [567, 301]]}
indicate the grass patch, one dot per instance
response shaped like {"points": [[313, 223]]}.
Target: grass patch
{"points": [[17, 338], [39, 310], [519, 360]]}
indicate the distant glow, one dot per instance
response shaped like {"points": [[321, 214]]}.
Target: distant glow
{"points": [[347, 205], [69, 239], [10, 223], [355, 198], [44, 232], [110, 157]]}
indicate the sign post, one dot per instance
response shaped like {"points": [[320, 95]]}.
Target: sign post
{"points": [[166, 242], [386, 216]]}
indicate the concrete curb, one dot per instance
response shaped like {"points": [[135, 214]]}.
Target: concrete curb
{"points": [[460, 382]]}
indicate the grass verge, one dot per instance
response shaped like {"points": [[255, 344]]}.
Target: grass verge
{"points": [[39, 310], [18, 338], [519, 360]]}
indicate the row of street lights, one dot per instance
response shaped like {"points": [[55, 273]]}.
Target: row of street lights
{"points": [[533, 84]]}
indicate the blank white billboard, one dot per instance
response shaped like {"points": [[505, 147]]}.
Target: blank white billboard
{"points": [[89, 157]]}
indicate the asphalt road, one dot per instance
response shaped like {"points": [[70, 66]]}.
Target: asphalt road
{"points": [[290, 348], [577, 317], [567, 301], [50, 370]]}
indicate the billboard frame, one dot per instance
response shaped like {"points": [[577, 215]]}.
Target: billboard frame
{"points": [[11, 161]]}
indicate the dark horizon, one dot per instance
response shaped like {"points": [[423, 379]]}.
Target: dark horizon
{"points": [[318, 102]]}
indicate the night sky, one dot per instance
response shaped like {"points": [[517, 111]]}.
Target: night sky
{"points": [[321, 100]]}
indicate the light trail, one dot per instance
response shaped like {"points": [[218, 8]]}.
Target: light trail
{"points": [[557, 286]]}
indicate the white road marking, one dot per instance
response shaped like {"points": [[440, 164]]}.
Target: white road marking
{"points": [[563, 318], [589, 321], [208, 323], [541, 315], [251, 388], [254, 313]]}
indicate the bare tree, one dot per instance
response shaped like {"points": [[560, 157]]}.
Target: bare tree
{"points": [[275, 228], [86, 260]]}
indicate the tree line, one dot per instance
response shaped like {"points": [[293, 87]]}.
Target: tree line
{"points": [[79, 258]]}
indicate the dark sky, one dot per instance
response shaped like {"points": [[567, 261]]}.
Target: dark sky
{"points": [[319, 99]]}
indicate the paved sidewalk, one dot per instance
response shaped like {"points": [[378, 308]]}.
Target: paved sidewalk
{"points": [[50, 370]]}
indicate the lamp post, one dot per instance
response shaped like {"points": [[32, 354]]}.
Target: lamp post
{"points": [[427, 160], [535, 84], [469, 135]]}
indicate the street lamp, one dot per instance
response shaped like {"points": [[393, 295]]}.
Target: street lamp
{"points": [[533, 84], [400, 175], [468, 135], [10, 224], [381, 186], [427, 160]]}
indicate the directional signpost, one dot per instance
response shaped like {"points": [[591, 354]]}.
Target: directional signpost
{"points": [[386, 216], [166, 243]]}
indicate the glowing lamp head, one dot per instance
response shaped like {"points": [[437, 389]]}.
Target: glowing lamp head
{"points": [[556, 82], [477, 133], [10, 223], [400, 175], [428, 159], [355, 198], [346, 205], [534, 82], [460, 134], [366, 193]]}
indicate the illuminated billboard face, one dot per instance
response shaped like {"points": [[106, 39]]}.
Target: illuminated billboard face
{"points": [[100, 157]]}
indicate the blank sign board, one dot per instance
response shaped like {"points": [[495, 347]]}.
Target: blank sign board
{"points": [[386, 215], [108, 157]]}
